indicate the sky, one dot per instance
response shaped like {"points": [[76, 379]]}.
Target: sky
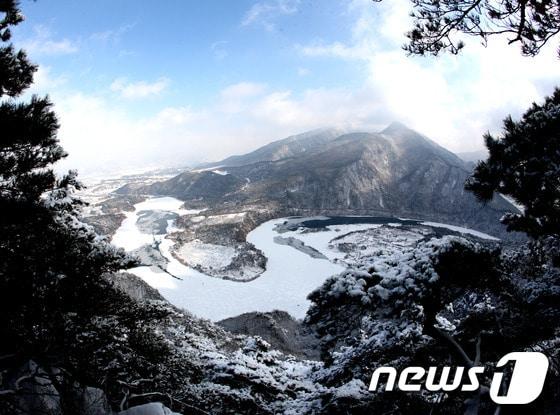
{"points": [[143, 84]]}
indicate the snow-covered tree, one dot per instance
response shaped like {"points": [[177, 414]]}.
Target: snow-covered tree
{"points": [[445, 302], [524, 164], [62, 323]]}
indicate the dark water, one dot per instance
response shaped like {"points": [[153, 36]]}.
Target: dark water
{"points": [[294, 223], [353, 220]]}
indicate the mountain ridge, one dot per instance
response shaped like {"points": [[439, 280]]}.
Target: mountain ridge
{"points": [[396, 172], [274, 150]]}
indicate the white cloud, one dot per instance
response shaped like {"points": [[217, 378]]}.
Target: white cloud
{"points": [[242, 90], [264, 13], [44, 80], [172, 115], [315, 108], [100, 134], [453, 99], [140, 89], [102, 137], [333, 50], [112, 35], [235, 98], [43, 43]]}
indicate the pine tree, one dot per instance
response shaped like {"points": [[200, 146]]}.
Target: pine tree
{"points": [[524, 164], [61, 321], [443, 302]]}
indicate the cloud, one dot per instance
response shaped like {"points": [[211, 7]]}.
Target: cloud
{"points": [[242, 90], [235, 98], [172, 115], [44, 80], [140, 89], [287, 111], [264, 13], [103, 136], [112, 35], [42, 43], [453, 99], [332, 50]]}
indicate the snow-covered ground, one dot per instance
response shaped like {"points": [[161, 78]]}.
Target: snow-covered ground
{"points": [[321, 240], [220, 172], [129, 236], [100, 188], [219, 219], [289, 277], [290, 273], [462, 230], [206, 255]]}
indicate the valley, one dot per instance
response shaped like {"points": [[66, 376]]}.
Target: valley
{"points": [[209, 208], [234, 237], [292, 267], [299, 253]]}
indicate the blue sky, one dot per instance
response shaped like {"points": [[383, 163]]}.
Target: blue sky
{"points": [[141, 84], [201, 46]]}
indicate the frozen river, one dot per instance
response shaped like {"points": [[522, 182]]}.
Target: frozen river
{"points": [[289, 277]]}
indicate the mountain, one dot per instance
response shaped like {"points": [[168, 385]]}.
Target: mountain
{"points": [[474, 156], [397, 172], [288, 147]]}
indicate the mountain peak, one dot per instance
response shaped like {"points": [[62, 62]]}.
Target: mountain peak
{"points": [[395, 126]]}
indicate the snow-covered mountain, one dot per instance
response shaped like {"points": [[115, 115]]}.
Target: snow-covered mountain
{"points": [[396, 172], [308, 142]]}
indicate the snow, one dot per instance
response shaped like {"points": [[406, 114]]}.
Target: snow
{"points": [[129, 237], [157, 279], [289, 277], [220, 172], [153, 408], [461, 230], [512, 201], [222, 219], [321, 240], [213, 169], [354, 389], [206, 255], [197, 219]]}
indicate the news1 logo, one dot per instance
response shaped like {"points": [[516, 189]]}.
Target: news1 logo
{"points": [[525, 385]]}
